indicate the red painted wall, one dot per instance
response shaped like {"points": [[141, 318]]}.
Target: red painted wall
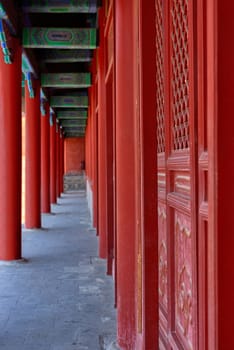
{"points": [[74, 149]]}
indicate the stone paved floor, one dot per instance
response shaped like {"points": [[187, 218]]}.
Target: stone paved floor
{"points": [[61, 299]]}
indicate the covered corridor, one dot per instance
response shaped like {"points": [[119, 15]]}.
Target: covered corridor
{"points": [[59, 298], [138, 96]]}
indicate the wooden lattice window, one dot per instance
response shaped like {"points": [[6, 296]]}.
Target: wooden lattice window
{"points": [[180, 74]]}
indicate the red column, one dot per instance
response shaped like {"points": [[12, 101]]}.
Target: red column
{"points": [[10, 156], [52, 159], [92, 154], [102, 178], [125, 174], [61, 162], [149, 171], [94, 160], [45, 160], [87, 149], [57, 161], [33, 160]]}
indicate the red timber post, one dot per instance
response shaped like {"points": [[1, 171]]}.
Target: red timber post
{"points": [[110, 141], [87, 150], [88, 160], [10, 156], [221, 166], [149, 174], [94, 118], [125, 173], [61, 162], [33, 157], [102, 174], [45, 157], [52, 158], [57, 160]]}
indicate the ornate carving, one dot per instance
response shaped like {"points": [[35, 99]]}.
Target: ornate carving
{"points": [[182, 227], [162, 270], [184, 283], [162, 252], [185, 302]]}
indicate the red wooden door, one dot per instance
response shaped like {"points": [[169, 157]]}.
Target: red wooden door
{"points": [[177, 174]]}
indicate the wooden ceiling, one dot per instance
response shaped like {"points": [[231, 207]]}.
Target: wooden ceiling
{"points": [[58, 38]]}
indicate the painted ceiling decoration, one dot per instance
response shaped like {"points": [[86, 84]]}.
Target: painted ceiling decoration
{"points": [[67, 38], [58, 38], [74, 123], [66, 56], [69, 102], [68, 80], [72, 114], [60, 6]]}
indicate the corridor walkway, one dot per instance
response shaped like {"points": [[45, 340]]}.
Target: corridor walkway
{"points": [[60, 298]]}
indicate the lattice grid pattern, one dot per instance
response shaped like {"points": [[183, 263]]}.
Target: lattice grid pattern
{"points": [[160, 78], [180, 74]]}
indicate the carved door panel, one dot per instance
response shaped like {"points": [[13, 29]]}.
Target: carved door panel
{"points": [[161, 135], [176, 174]]}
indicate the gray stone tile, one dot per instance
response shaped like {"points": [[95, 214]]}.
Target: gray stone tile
{"points": [[61, 299]]}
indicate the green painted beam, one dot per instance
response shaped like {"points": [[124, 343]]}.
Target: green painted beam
{"points": [[74, 136], [77, 122], [72, 125], [67, 38], [67, 131], [69, 101], [64, 56], [73, 114], [77, 134], [66, 80], [74, 129], [62, 6]]}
